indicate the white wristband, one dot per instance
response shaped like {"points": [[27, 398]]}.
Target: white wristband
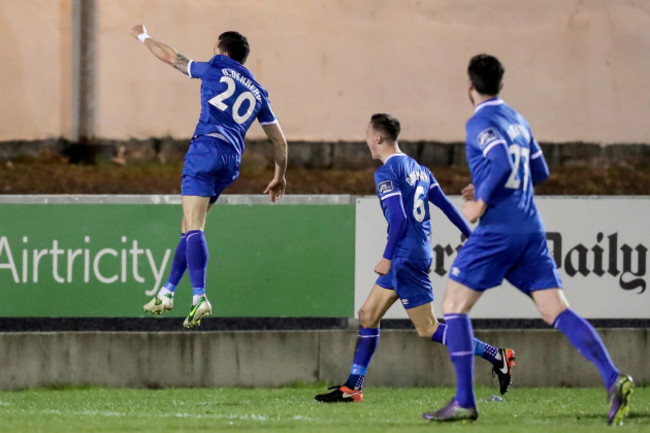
{"points": [[143, 37]]}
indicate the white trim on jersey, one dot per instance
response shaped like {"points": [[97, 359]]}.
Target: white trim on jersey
{"points": [[494, 143], [390, 195], [188, 68], [536, 154], [465, 353], [434, 185], [216, 135], [269, 123], [394, 154], [497, 101]]}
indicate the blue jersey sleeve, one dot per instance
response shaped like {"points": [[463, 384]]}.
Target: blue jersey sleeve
{"points": [[487, 138], [438, 198], [538, 168], [484, 136], [387, 185], [197, 69], [266, 115], [391, 203]]}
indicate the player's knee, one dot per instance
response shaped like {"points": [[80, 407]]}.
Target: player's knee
{"points": [[451, 306], [367, 319]]}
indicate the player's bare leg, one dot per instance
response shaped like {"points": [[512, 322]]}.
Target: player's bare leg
{"points": [[370, 314], [424, 320], [378, 302], [555, 310], [195, 209]]}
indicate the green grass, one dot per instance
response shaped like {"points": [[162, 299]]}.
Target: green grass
{"points": [[548, 410]]}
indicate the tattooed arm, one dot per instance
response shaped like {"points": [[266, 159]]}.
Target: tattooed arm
{"points": [[162, 51]]}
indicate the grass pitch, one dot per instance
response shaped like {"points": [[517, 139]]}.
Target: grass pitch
{"points": [[294, 409]]}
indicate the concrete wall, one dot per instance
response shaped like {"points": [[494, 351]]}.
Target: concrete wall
{"points": [[575, 68], [273, 358]]}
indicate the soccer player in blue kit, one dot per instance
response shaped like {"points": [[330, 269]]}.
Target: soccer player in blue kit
{"points": [[505, 162], [405, 189], [231, 100]]}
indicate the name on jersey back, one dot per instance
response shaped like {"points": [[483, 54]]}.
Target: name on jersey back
{"points": [[414, 176], [244, 80]]}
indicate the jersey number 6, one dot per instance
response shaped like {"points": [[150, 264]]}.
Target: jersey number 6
{"points": [[419, 211], [217, 101]]}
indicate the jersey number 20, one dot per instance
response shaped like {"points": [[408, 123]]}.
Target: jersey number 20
{"points": [[217, 101]]}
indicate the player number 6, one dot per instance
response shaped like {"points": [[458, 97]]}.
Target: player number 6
{"points": [[419, 211]]}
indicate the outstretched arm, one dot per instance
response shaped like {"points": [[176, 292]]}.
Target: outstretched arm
{"points": [[438, 198], [275, 188], [162, 51]]}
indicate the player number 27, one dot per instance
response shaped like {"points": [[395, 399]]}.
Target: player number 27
{"points": [[217, 101], [520, 155]]}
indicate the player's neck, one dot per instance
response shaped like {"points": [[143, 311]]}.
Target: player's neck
{"points": [[479, 98], [389, 151]]}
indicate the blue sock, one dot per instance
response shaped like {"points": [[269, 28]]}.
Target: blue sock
{"points": [[584, 337], [197, 260], [482, 349], [366, 344], [461, 350], [179, 264]]}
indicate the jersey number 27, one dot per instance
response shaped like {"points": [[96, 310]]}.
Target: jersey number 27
{"points": [[520, 155]]}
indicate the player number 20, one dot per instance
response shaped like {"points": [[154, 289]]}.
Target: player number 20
{"points": [[217, 101], [520, 155], [419, 211]]}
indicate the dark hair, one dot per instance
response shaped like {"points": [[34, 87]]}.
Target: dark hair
{"points": [[485, 73], [236, 45], [386, 124]]}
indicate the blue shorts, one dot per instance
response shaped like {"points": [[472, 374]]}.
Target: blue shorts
{"points": [[409, 278], [210, 166], [521, 258]]}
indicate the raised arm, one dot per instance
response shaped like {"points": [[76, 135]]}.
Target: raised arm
{"points": [[161, 50], [275, 188]]}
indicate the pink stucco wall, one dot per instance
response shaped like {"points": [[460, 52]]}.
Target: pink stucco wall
{"points": [[578, 70]]}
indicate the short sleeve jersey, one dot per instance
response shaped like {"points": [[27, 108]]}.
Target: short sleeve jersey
{"points": [[401, 175], [231, 100], [496, 124]]}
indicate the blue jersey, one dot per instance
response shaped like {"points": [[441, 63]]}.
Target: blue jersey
{"points": [[231, 100], [402, 175], [512, 208]]}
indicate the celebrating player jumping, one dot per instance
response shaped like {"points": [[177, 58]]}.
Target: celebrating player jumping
{"points": [[231, 100], [405, 189]]}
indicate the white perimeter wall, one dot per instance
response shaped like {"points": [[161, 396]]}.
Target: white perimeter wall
{"points": [[578, 220]]}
